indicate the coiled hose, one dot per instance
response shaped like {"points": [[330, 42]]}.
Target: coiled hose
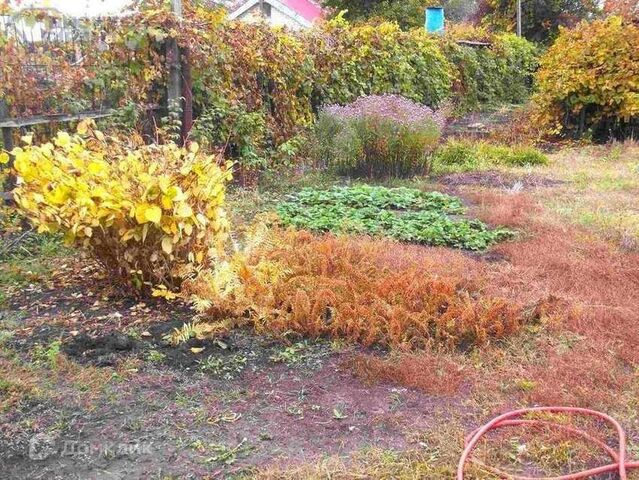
{"points": [[619, 463]]}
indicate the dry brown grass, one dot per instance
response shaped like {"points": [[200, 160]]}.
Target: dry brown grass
{"points": [[502, 208], [17, 384], [597, 291], [433, 373], [580, 284]]}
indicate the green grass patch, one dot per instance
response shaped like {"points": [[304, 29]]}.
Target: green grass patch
{"points": [[464, 155], [405, 214]]}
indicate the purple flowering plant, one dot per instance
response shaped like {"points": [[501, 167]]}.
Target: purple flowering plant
{"points": [[392, 107], [378, 135]]}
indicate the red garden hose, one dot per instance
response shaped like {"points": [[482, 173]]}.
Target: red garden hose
{"points": [[619, 463]]}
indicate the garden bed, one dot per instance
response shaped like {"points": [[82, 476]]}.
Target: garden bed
{"points": [[84, 363]]}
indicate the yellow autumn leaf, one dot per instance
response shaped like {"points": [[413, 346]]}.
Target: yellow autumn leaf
{"points": [[153, 214], [96, 168], [183, 210], [58, 195], [148, 213], [167, 203], [63, 139], [175, 193], [162, 292], [4, 158], [167, 245], [197, 350], [164, 182]]}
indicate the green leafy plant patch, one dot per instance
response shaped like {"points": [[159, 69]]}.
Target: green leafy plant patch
{"points": [[405, 214]]}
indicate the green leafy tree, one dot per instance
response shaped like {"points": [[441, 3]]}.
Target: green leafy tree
{"points": [[407, 13], [541, 19]]}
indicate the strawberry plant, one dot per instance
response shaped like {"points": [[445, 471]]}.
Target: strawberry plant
{"points": [[404, 214]]}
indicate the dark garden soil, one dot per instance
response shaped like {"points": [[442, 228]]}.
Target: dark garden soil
{"points": [[495, 179], [134, 406]]}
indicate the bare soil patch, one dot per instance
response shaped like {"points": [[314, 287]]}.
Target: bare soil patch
{"points": [[496, 179]]}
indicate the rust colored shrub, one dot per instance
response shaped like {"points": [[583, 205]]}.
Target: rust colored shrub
{"points": [[340, 288], [370, 292]]}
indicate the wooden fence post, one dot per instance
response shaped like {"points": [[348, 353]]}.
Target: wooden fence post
{"points": [[7, 141], [174, 90]]}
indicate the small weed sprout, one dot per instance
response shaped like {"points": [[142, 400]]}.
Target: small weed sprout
{"points": [[155, 356], [224, 368], [228, 455], [291, 355], [47, 356]]}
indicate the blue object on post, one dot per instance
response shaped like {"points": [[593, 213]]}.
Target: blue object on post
{"points": [[435, 20]]}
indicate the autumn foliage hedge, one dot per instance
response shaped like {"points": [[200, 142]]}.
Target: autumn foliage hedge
{"points": [[490, 75], [254, 87], [588, 82], [142, 211], [356, 60]]}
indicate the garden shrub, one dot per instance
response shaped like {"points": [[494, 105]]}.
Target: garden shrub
{"points": [[496, 74], [143, 212], [587, 83], [466, 155], [356, 60], [404, 214], [243, 135], [378, 135], [362, 290]]}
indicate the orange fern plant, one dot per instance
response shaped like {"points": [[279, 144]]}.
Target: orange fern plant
{"points": [[341, 287]]}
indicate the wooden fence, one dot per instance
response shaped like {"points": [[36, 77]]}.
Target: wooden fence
{"points": [[47, 31]]}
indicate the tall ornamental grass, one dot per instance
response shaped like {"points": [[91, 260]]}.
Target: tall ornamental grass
{"points": [[378, 136]]}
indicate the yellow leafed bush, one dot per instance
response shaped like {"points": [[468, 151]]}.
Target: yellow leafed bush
{"points": [[588, 82], [143, 211]]}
